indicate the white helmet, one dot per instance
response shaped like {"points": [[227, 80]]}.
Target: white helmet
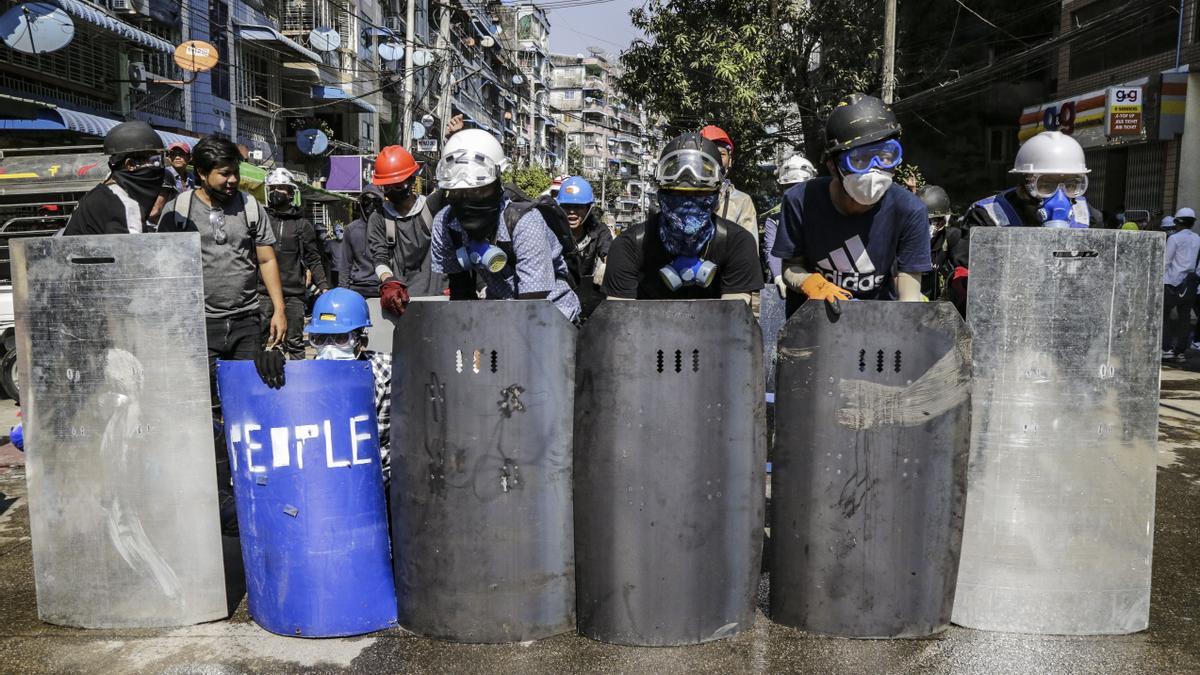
{"points": [[1185, 212], [795, 169], [1050, 152], [471, 158], [281, 176]]}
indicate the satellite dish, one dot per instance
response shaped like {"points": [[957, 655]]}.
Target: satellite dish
{"points": [[422, 58], [390, 51], [418, 131], [427, 120], [487, 42], [517, 79], [312, 141], [37, 28], [324, 39], [196, 56]]}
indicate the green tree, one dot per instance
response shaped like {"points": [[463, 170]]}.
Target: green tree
{"points": [[532, 180]]}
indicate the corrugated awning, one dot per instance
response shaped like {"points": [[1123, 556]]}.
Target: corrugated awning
{"points": [[269, 34], [63, 119], [325, 93], [98, 17]]}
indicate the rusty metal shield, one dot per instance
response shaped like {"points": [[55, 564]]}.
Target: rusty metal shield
{"points": [[122, 479], [482, 398], [872, 428], [1060, 504]]}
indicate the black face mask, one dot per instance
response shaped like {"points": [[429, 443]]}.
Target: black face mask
{"points": [[217, 197], [370, 206], [279, 201], [398, 195], [143, 185], [477, 218]]}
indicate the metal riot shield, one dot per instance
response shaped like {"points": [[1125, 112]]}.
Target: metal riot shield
{"points": [[1060, 502], [482, 399], [869, 473], [379, 334], [121, 472], [310, 504], [669, 471]]}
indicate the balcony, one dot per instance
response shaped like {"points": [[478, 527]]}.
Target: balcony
{"points": [[594, 84]]}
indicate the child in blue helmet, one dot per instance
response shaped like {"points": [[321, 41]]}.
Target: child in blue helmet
{"points": [[338, 332], [592, 240]]}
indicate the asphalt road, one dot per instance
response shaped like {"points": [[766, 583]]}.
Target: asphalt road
{"points": [[1171, 645]]}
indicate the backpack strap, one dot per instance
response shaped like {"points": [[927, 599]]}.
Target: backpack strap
{"points": [[183, 208], [253, 213]]}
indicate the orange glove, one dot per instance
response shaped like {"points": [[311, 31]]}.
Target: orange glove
{"points": [[817, 287]]}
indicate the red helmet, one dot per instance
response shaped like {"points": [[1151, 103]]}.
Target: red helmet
{"points": [[394, 165], [717, 135]]}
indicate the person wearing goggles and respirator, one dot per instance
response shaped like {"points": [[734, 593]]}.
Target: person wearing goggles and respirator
{"points": [[337, 332], [132, 194], [487, 244], [855, 234], [685, 251], [399, 233], [298, 255]]}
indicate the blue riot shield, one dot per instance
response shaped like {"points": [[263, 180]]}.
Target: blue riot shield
{"points": [[310, 499]]}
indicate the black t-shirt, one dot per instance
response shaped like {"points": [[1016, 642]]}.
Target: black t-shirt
{"points": [[633, 274], [99, 212]]}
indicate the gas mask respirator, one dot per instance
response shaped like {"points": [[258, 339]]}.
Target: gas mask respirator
{"points": [[1056, 211], [688, 271], [483, 255]]}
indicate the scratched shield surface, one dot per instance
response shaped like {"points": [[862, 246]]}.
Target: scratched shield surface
{"points": [[120, 459], [1060, 504], [669, 471], [482, 398], [872, 431]]}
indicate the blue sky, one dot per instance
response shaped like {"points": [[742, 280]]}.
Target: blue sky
{"points": [[605, 25]]}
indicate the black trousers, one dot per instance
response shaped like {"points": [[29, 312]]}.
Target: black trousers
{"points": [[1177, 317], [293, 309], [232, 339]]}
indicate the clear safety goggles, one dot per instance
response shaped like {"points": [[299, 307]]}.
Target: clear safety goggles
{"points": [[704, 169], [1044, 187], [885, 155], [464, 169], [335, 339]]}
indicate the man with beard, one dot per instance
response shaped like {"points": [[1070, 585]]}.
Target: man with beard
{"points": [[490, 245], [685, 251], [122, 204], [297, 253], [398, 233], [591, 237]]}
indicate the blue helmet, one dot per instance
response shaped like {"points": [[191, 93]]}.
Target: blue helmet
{"points": [[575, 190], [339, 310]]}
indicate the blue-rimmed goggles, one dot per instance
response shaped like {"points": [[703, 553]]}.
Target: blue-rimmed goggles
{"points": [[885, 155]]}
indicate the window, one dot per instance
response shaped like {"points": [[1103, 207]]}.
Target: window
{"points": [[258, 84], [218, 31], [571, 94], [1158, 22]]}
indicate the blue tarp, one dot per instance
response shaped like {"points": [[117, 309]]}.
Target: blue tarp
{"points": [[98, 17]]}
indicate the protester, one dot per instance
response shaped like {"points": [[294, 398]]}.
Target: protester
{"points": [[399, 232], [734, 205], [179, 155], [794, 170], [355, 262], [855, 234], [337, 332], [1181, 273], [488, 243], [686, 251], [124, 202], [592, 241], [943, 239], [298, 255]]}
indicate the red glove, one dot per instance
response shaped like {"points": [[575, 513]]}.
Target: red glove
{"points": [[393, 297]]}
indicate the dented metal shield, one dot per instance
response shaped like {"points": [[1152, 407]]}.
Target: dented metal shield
{"points": [[120, 458], [669, 471], [482, 398], [1060, 507], [872, 429]]}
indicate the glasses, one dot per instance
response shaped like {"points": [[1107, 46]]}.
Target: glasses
{"points": [[1044, 187], [216, 220], [885, 155], [702, 168], [335, 339]]}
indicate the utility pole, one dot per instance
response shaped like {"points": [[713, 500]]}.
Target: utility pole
{"points": [[409, 82], [443, 48], [889, 51]]}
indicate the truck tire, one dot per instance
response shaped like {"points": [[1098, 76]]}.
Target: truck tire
{"points": [[8, 376]]}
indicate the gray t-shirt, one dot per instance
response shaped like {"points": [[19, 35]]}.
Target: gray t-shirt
{"points": [[230, 267]]}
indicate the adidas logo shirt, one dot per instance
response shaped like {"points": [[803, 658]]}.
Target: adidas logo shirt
{"points": [[863, 253]]}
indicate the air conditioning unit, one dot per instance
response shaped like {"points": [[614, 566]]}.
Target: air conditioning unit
{"points": [[138, 80], [393, 23], [130, 6]]}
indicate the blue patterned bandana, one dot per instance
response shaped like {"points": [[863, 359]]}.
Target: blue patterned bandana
{"points": [[686, 222]]}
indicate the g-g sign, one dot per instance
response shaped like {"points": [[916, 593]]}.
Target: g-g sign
{"points": [[1125, 111]]}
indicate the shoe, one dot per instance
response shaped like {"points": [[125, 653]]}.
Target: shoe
{"points": [[1181, 358], [1196, 346], [1168, 354]]}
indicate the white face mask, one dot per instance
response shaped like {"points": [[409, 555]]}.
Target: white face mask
{"points": [[867, 188], [336, 353]]}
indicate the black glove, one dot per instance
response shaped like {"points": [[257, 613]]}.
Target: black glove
{"points": [[270, 368]]}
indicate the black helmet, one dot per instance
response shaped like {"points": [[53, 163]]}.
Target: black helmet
{"points": [[130, 138], [690, 163], [859, 120], [937, 202]]}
